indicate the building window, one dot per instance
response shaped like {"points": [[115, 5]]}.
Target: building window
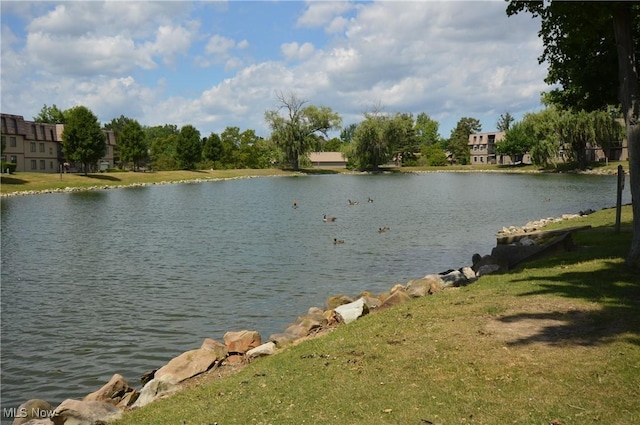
{"points": [[51, 165], [33, 130], [42, 147], [33, 146], [12, 142], [50, 150], [53, 139], [14, 159], [4, 125], [43, 164], [34, 164], [44, 135]]}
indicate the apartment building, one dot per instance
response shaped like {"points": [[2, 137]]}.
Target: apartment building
{"points": [[482, 148], [37, 147]]}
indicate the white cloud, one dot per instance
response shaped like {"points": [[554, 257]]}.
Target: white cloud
{"points": [[219, 45], [321, 13], [295, 51], [448, 59]]}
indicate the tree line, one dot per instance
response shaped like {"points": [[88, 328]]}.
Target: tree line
{"points": [[299, 127]]}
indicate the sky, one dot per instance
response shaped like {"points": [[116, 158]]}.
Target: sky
{"points": [[219, 64]]}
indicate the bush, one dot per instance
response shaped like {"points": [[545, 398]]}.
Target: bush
{"points": [[10, 165]]}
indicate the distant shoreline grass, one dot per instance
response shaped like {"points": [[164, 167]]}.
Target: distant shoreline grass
{"points": [[31, 183], [557, 339]]}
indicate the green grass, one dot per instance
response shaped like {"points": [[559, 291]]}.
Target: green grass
{"points": [[556, 339], [21, 182], [27, 181]]}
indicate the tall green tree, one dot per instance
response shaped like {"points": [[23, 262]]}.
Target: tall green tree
{"points": [[587, 45], [189, 149], [163, 141], [50, 114], [427, 129], [459, 141], [505, 121], [82, 138], [543, 127], [401, 135], [371, 146], [212, 149], [295, 132], [347, 133], [132, 144]]}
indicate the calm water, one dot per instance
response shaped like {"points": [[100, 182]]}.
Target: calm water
{"points": [[95, 283]]}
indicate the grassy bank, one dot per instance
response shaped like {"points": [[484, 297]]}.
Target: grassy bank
{"points": [[27, 182], [554, 340], [22, 182]]}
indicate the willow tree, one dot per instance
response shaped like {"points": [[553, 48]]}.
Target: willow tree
{"points": [[586, 46], [296, 132], [371, 147]]}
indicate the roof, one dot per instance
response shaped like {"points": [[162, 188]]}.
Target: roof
{"points": [[326, 157]]}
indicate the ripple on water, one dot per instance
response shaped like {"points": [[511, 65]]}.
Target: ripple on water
{"points": [[124, 280]]}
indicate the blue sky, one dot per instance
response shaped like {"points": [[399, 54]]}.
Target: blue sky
{"points": [[216, 64]]}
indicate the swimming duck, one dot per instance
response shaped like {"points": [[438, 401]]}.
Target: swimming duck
{"points": [[383, 229], [353, 202], [326, 219], [338, 241]]}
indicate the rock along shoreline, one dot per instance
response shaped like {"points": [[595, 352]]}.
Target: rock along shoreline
{"points": [[215, 359]]}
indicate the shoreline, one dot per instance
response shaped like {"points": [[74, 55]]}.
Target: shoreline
{"points": [[72, 189], [233, 361]]}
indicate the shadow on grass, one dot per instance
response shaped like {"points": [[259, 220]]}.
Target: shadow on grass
{"points": [[103, 177], [313, 171], [594, 272], [12, 180]]}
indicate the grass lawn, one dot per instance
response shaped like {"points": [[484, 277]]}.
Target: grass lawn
{"points": [[21, 182], [25, 181], [557, 339]]}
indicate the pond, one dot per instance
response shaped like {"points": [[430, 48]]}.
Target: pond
{"points": [[121, 281]]}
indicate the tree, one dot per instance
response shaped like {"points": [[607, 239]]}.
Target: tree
{"points": [[587, 44], [459, 141], [163, 141], [51, 115], [189, 148], [504, 122], [82, 139], [401, 137], [517, 141], [131, 143], [212, 149], [543, 126], [347, 133], [371, 146], [580, 129], [434, 156], [295, 132], [427, 129]]}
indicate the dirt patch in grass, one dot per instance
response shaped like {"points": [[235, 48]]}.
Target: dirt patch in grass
{"points": [[545, 322]]}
